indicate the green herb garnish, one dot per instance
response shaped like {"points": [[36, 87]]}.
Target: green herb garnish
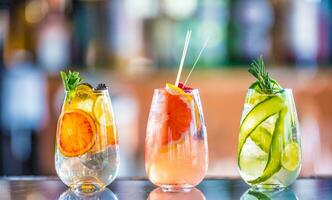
{"points": [[71, 81], [264, 83]]}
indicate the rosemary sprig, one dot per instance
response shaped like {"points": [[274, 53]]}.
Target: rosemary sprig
{"points": [[264, 82], [71, 81]]}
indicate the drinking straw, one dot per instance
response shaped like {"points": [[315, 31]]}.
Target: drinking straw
{"points": [[196, 61], [184, 53]]}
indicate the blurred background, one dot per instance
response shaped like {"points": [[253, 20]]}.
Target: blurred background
{"points": [[135, 46]]}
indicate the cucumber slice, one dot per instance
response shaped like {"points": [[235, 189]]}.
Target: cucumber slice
{"points": [[256, 116], [258, 195], [274, 160], [262, 138]]}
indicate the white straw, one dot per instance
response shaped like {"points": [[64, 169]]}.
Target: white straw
{"points": [[196, 61], [184, 53]]}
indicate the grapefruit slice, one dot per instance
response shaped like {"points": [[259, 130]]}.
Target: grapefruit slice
{"points": [[178, 118], [182, 90], [76, 133]]}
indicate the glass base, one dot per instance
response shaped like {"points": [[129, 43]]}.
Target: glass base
{"points": [[86, 189], [268, 187], [177, 188]]}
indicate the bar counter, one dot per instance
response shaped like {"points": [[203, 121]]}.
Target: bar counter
{"points": [[51, 188]]}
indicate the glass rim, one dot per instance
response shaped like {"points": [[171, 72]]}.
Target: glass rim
{"points": [[192, 91], [101, 91], [273, 90]]}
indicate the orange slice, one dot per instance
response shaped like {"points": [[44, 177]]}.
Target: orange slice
{"points": [[76, 133], [107, 136], [112, 135], [178, 118]]}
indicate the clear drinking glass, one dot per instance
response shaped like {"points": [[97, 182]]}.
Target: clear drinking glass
{"points": [[176, 151], [269, 150], [86, 154]]}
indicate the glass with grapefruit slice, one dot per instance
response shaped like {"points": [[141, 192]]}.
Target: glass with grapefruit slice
{"points": [[176, 153], [86, 154]]}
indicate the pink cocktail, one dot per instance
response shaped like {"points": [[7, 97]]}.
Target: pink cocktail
{"points": [[176, 153]]}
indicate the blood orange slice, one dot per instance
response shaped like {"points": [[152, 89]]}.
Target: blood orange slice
{"points": [[76, 133]]}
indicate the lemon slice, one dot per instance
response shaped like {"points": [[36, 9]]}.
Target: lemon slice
{"points": [[85, 105], [176, 90], [84, 86], [84, 98], [102, 111], [84, 91], [290, 159]]}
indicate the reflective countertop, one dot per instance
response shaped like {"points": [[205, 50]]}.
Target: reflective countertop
{"points": [[49, 188]]}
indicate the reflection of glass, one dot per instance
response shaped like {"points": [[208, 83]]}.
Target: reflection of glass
{"points": [[104, 195], [159, 194], [252, 194], [86, 157], [176, 153], [269, 154]]}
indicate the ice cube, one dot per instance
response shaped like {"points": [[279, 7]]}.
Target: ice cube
{"points": [[95, 161]]}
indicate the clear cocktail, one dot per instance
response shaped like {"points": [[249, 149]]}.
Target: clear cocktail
{"points": [[269, 154], [86, 155]]}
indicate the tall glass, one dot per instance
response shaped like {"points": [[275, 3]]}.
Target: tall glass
{"points": [[176, 152], [269, 153], [86, 155]]}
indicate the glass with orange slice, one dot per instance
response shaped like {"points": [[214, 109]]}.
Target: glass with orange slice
{"points": [[176, 153], [86, 155]]}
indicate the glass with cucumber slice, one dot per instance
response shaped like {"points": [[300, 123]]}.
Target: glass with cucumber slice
{"points": [[269, 150]]}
